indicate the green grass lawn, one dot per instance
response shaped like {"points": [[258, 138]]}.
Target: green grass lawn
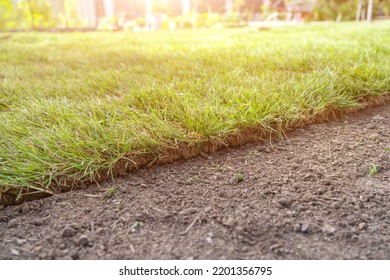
{"points": [[74, 104]]}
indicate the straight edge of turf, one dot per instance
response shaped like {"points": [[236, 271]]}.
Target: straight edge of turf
{"points": [[184, 152]]}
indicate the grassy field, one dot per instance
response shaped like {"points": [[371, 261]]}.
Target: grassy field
{"points": [[74, 104]]}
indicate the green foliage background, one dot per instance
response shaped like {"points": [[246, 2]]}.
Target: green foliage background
{"points": [[17, 14], [330, 9], [28, 14]]}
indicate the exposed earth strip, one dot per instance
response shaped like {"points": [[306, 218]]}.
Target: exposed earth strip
{"points": [[321, 193]]}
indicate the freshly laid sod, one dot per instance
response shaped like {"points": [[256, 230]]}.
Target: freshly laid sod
{"points": [[74, 104]]}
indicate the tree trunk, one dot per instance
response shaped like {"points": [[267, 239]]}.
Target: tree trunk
{"points": [[31, 14], [65, 14], [359, 11], [369, 10], [228, 6], [148, 15], [185, 7]]}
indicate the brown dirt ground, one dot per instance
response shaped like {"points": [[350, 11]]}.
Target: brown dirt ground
{"points": [[308, 196]]}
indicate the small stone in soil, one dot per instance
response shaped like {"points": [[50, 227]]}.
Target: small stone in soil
{"points": [[239, 229], [68, 232], [305, 227], [38, 249], [230, 221], [15, 252], [74, 254], [290, 213], [24, 208], [38, 222], [362, 226], [244, 249], [83, 240], [328, 229], [285, 201], [12, 223], [374, 136], [43, 256], [20, 241]]}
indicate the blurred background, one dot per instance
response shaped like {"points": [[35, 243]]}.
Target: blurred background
{"points": [[147, 15]]}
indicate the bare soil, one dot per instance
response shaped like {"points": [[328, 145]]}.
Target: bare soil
{"points": [[308, 196]]}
